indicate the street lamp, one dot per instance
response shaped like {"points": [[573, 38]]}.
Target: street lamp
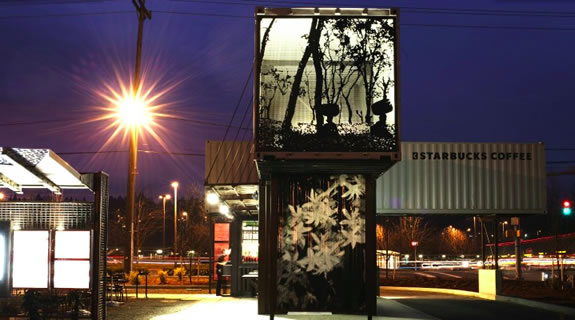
{"points": [[2, 196], [175, 185], [164, 198], [414, 245], [132, 111]]}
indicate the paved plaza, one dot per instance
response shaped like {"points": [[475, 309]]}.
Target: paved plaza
{"points": [[396, 305]]}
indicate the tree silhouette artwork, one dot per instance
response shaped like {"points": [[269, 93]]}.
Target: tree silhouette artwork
{"points": [[326, 84]]}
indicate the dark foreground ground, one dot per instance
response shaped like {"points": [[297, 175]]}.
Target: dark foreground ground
{"points": [[394, 306]]}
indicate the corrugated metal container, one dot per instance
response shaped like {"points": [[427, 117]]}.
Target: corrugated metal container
{"points": [[465, 178], [230, 163]]}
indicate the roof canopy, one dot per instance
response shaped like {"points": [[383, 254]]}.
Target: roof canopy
{"points": [[36, 168], [231, 173]]}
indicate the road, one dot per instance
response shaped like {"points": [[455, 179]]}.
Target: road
{"points": [[416, 305], [471, 274]]}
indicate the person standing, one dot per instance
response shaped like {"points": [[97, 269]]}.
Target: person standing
{"points": [[219, 273]]}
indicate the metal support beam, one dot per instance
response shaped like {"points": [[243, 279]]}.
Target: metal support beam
{"points": [[12, 185], [17, 158]]}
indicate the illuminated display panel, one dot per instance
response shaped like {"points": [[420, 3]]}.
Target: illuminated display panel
{"points": [[30, 259], [72, 264], [327, 84], [221, 243], [250, 244], [2, 257], [72, 245], [72, 274], [221, 232]]}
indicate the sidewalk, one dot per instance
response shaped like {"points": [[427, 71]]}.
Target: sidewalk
{"points": [[166, 306], [400, 303]]}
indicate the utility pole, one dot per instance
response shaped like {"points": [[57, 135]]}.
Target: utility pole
{"points": [[518, 254], [143, 14]]}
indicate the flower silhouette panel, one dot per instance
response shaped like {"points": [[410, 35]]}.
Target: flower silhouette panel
{"points": [[321, 242]]}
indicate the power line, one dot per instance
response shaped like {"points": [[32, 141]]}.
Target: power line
{"points": [[125, 151], [43, 3], [231, 121], [429, 25], [23, 123], [203, 14], [74, 14], [561, 162], [463, 11], [208, 123], [560, 149], [466, 26]]}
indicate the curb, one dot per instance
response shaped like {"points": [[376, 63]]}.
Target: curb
{"points": [[524, 302], [456, 292]]}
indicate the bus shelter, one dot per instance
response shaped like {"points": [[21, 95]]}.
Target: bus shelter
{"points": [[52, 250]]}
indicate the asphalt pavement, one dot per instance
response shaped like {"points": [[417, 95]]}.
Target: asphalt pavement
{"points": [[470, 274], [395, 305]]}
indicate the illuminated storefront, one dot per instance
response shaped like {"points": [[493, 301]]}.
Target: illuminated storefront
{"points": [[47, 245], [232, 204]]}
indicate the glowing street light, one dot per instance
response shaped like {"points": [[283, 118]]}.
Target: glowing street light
{"points": [[2, 196], [164, 198], [175, 185], [132, 111]]}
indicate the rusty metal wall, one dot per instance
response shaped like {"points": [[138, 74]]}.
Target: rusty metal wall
{"points": [[230, 163], [465, 178]]}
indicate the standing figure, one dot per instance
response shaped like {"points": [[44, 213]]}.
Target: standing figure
{"points": [[220, 274]]}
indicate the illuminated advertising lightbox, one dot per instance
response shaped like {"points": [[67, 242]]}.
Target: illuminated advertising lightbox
{"points": [[221, 243], [326, 81], [30, 259], [4, 258], [72, 260]]}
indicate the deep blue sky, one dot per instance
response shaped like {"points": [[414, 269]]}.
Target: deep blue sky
{"points": [[464, 77]]}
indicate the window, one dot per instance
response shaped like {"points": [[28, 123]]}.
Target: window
{"points": [[30, 259], [250, 241], [2, 257], [72, 260]]}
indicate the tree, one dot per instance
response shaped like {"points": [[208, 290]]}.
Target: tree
{"points": [[380, 237], [340, 76], [363, 40], [408, 229], [117, 231], [147, 222], [313, 43], [194, 229], [454, 240]]}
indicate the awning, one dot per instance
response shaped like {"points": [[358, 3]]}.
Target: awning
{"points": [[22, 168], [231, 173], [241, 199]]}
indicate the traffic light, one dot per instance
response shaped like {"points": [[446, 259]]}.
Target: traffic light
{"points": [[566, 208]]}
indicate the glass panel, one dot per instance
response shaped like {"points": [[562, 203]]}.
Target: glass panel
{"points": [[72, 245], [30, 260], [72, 274], [327, 84], [2, 257], [250, 244], [221, 232]]}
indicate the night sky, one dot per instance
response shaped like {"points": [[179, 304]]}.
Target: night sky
{"points": [[495, 71]]}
